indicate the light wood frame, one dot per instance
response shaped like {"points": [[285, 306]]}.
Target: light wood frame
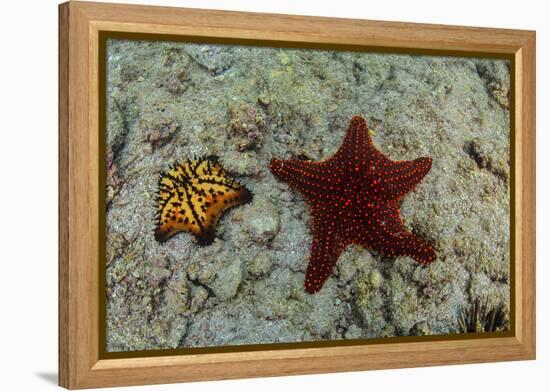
{"points": [[79, 26]]}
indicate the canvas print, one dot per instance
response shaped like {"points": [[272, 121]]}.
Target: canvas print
{"points": [[269, 195]]}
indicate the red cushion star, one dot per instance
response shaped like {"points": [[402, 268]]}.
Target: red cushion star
{"points": [[354, 199]]}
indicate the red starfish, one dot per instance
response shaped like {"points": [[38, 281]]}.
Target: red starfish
{"points": [[354, 199]]}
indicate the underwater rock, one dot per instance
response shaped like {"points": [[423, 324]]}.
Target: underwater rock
{"points": [[245, 163], [158, 131], [260, 264], [263, 220], [176, 84], [175, 78], [116, 246], [375, 279], [178, 328], [228, 277], [421, 328], [214, 59], [496, 81], [486, 157], [404, 305], [114, 183], [128, 73], [120, 110], [275, 293], [353, 332], [157, 272], [499, 92], [246, 126], [369, 305], [199, 297], [352, 263], [282, 297], [177, 296]]}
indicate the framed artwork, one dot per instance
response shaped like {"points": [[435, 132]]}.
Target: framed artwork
{"points": [[248, 195]]}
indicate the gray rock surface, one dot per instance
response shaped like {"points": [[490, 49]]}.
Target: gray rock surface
{"points": [[173, 101]]}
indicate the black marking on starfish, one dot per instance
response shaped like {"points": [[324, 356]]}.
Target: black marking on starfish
{"points": [[192, 196]]}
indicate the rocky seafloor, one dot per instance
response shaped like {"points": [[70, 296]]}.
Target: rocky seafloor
{"points": [[173, 101]]}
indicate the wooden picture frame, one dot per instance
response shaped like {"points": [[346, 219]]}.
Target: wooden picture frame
{"points": [[80, 27]]}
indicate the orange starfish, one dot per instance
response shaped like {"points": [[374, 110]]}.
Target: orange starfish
{"points": [[192, 196]]}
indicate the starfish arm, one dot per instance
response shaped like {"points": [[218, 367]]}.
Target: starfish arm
{"points": [[388, 235], [410, 245], [353, 152], [395, 179], [418, 249], [326, 248], [313, 179]]}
